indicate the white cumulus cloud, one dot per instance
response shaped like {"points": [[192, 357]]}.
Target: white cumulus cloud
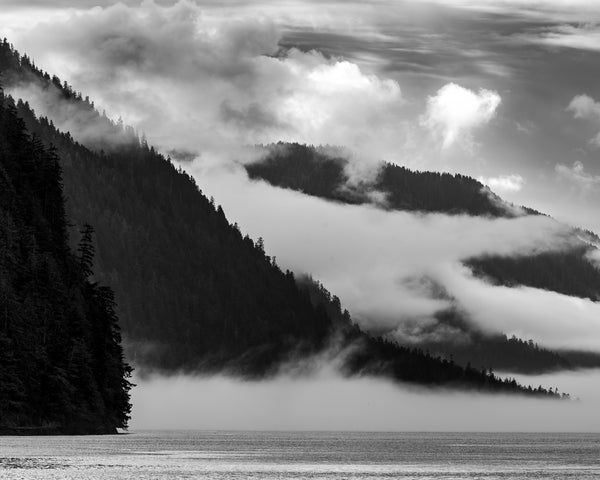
{"points": [[192, 79], [585, 107], [454, 112]]}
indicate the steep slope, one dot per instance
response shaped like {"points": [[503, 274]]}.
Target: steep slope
{"points": [[61, 363], [194, 293]]}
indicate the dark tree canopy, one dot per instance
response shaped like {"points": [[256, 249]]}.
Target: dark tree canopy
{"points": [[61, 362], [568, 272], [321, 172]]}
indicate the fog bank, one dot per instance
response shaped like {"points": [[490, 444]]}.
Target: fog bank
{"points": [[328, 402]]}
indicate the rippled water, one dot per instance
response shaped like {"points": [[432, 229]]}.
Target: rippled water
{"points": [[302, 455]]}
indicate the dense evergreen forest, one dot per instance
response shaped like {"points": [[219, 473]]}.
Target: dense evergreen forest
{"points": [[61, 362], [193, 292], [567, 272], [321, 172]]}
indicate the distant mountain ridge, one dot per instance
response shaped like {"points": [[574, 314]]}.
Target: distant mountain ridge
{"points": [[194, 294], [321, 172]]}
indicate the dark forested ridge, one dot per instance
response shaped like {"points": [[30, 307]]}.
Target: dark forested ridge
{"points": [[566, 272], [193, 292], [61, 362], [508, 354], [322, 174]]}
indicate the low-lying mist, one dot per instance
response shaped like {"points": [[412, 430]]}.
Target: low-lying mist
{"points": [[327, 401]]}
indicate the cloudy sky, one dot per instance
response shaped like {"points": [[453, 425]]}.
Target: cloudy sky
{"points": [[503, 90]]}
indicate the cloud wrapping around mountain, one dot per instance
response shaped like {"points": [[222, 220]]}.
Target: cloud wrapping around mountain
{"points": [[395, 271]]}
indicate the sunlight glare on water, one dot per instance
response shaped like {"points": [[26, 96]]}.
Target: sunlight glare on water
{"points": [[301, 455]]}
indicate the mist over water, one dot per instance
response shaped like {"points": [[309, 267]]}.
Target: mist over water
{"points": [[328, 402]]}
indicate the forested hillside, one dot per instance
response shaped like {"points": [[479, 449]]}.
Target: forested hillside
{"points": [[61, 362], [194, 293]]}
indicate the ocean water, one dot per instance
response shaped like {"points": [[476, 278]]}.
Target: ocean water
{"points": [[302, 455]]}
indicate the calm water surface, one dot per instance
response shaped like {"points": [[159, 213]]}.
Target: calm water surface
{"points": [[302, 455]]}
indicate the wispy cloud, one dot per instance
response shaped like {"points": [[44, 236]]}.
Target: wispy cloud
{"points": [[582, 10], [578, 37], [577, 174], [504, 183]]}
